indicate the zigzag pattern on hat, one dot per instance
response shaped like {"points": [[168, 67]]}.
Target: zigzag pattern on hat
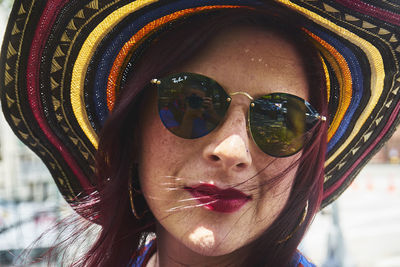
{"points": [[64, 62]]}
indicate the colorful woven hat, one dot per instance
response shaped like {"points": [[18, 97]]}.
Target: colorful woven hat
{"points": [[62, 63]]}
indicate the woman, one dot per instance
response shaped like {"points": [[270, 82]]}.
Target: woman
{"points": [[191, 169], [230, 170]]}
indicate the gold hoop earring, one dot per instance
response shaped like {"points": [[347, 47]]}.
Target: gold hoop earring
{"points": [[303, 217], [134, 193]]}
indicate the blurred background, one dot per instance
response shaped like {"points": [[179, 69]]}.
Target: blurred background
{"points": [[361, 229]]}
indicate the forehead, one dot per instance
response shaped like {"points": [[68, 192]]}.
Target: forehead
{"points": [[251, 59]]}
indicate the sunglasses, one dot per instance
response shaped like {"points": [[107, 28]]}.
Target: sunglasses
{"points": [[192, 105]]}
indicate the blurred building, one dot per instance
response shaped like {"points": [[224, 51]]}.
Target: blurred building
{"points": [[23, 177], [29, 200], [390, 152]]}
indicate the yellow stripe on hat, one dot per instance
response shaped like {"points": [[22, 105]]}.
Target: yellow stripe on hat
{"points": [[327, 78], [83, 60], [117, 67], [342, 71], [375, 60]]}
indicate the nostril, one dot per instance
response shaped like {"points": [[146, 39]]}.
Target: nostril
{"points": [[241, 165], [214, 158]]}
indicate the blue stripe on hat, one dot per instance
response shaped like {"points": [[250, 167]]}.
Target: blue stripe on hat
{"points": [[112, 50], [357, 82]]}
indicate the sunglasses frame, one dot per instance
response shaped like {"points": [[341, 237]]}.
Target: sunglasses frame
{"points": [[314, 113]]}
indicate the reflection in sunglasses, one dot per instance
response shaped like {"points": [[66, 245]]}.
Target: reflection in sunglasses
{"points": [[192, 105]]}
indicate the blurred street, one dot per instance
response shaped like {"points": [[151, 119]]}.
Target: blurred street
{"points": [[369, 221]]}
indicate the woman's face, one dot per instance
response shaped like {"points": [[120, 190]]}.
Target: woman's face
{"points": [[245, 59]]}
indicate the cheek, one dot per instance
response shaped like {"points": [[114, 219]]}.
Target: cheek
{"points": [[155, 145], [152, 165], [160, 158], [275, 192], [155, 142]]}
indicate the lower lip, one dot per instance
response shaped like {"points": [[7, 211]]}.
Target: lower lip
{"points": [[219, 200]]}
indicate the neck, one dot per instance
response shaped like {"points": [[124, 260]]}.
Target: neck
{"points": [[172, 253]]}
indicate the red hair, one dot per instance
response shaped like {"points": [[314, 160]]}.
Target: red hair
{"points": [[121, 233]]}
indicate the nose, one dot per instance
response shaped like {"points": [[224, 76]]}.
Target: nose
{"points": [[229, 147]]}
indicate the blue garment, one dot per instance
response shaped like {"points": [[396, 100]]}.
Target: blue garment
{"points": [[142, 257], [300, 261]]}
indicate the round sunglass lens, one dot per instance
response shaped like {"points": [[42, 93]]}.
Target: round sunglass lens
{"points": [[191, 105], [278, 123]]}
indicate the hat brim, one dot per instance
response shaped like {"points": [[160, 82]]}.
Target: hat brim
{"points": [[63, 63]]}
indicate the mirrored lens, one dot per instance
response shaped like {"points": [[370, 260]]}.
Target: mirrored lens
{"points": [[279, 121], [191, 105]]}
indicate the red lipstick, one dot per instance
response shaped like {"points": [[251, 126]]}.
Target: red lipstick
{"points": [[220, 200]]}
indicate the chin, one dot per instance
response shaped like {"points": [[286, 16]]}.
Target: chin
{"points": [[212, 251], [208, 242]]}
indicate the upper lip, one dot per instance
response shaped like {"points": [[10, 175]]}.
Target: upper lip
{"points": [[217, 199], [218, 193]]}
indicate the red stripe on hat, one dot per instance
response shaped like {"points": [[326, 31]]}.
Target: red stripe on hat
{"points": [[388, 125], [42, 32], [370, 10]]}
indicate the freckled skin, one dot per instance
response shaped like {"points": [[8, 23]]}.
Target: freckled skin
{"points": [[225, 157]]}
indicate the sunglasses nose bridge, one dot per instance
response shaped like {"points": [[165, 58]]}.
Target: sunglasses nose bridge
{"points": [[242, 93], [246, 100]]}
